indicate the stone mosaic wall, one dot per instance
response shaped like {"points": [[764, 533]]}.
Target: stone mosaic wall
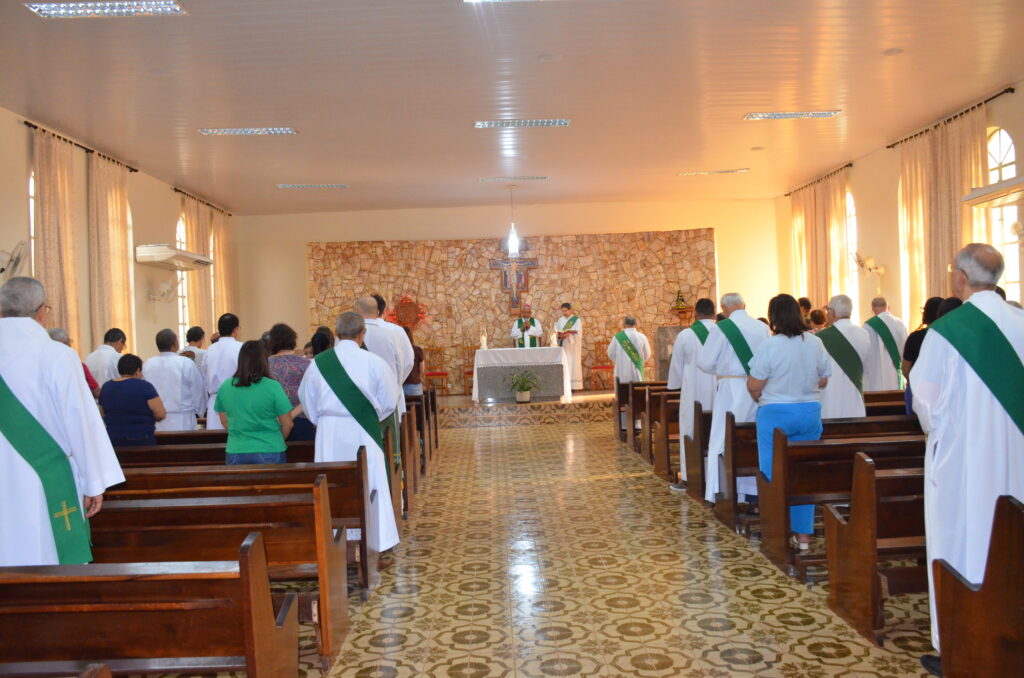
{"points": [[604, 277]]}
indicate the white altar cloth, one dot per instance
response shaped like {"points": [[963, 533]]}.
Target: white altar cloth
{"points": [[523, 357]]}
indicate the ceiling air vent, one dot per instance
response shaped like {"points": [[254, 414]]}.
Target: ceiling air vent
{"points": [[172, 258]]}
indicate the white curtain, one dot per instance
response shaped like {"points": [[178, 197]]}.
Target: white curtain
{"points": [[819, 237], [110, 255], [54, 253], [224, 300], [914, 215], [198, 221]]}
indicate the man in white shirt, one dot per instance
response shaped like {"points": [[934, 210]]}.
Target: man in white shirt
{"points": [[384, 343], [196, 337], [628, 351], [102, 362], [569, 328], [339, 433], [526, 331], [719, 357], [399, 337], [178, 382], [55, 457], [221, 364], [965, 383], [847, 346], [888, 334], [694, 384]]}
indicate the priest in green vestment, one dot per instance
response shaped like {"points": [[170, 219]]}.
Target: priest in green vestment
{"points": [[526, 331]]}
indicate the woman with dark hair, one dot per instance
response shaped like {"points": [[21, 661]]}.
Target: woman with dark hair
{"points": [[818, 320], [912, 348], [287, 369], [786, 374], [255, 410], [414, 382], [130, 405], [322, 340]]}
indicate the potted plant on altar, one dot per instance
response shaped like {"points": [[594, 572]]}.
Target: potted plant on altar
{"points": [[522, 382]]}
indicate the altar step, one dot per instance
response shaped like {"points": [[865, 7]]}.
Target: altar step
{"points": [[461, 412]]}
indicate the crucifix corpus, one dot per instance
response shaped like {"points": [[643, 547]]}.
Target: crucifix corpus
{"points": [[515, 278]]}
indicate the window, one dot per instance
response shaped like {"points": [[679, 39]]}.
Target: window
{"points": [[32, 224], [1005, 227], [853, 280], [183, 324]]}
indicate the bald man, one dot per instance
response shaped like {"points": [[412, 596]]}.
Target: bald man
{"points": [[526, 332]]}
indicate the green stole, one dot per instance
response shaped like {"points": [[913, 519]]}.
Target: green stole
{"points": [[989, 353], [354, 400], [737, 341], [879, 326], [521, 342], [40, 451], [569, 324], [843, 352], [701, 330], [631, 352]]}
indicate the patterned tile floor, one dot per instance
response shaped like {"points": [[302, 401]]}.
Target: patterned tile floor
{"points": [[543, 551]]}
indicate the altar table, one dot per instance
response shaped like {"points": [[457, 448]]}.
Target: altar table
{"points": [[492, 366]]}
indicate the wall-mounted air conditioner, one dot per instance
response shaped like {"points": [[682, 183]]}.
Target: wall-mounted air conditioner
{"points": [[166, 256]]}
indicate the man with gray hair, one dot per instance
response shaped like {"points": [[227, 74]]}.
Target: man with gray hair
{"points": [[629, 350], [346, 392], [887, 334], [847, 346], [55, 457], [967, 383], [726, 354], [179, 383], [60, 334]]}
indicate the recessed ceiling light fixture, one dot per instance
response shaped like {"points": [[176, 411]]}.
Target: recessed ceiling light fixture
{"points": [[700, 173], [312, 185], [506, 124], [791, 115], [524, 178], [94, 10], [245, 131]]}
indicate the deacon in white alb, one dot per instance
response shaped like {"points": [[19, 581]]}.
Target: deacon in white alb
{"points": [[46, 378], [695, 385], [570, 337], [401, 339], [178, 382], [847, 346], [196, 337], [338, 434], [885, 357], [526, 331], [975, 450], [385, 342], [719, 357], [221, 364], [102, 362], [628, 351]]}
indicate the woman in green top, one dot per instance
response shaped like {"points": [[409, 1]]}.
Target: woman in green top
{"points": [[255, 410]]}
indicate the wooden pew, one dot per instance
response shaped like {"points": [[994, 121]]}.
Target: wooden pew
{"points": [[96, 671], [982, 626], [819, 472], [420, 408], [665, 432], [410, 462], [197, 454], [650, 414], [191, 437], [352, 502], [694, 453], [296, 528], [740, 457], [885, 523], [432, 409], [619, 411], [872, 397], [144, 618], [636, 403]]}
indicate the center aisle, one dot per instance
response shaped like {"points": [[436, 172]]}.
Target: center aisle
{"points": [[551, 551]]}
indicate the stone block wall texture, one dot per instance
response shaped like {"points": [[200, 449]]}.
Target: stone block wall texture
{"points": [[605, 277]]}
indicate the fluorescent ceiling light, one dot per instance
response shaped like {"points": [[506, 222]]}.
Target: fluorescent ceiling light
{"points": [[513, 179], [789, 115], [88, 10], [698, 173], [505, 124], [246, 131], [477, 2], [312, 185]]}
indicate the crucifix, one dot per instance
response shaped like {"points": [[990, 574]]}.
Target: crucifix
{"points": [[515, 277]]}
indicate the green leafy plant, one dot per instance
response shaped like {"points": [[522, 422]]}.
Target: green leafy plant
{"points": [[522, 380]]}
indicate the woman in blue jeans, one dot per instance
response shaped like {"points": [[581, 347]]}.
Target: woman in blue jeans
{"points": [[786, 375]]}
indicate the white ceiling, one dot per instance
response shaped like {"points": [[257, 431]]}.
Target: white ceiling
{"points": [[384, 92]]}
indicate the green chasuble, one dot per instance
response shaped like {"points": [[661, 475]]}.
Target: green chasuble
{"points": [[521, 342]]}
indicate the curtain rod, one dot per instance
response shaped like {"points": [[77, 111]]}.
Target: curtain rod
{"points": [[821, 178], [951, 118], [81, 146], [200, 200]]}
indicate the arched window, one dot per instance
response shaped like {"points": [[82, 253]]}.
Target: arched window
{"points": [[853, 280], [183, 324], [1004, 221]]}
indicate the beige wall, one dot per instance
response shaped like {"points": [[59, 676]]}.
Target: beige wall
{"points": [[272, 249]]}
